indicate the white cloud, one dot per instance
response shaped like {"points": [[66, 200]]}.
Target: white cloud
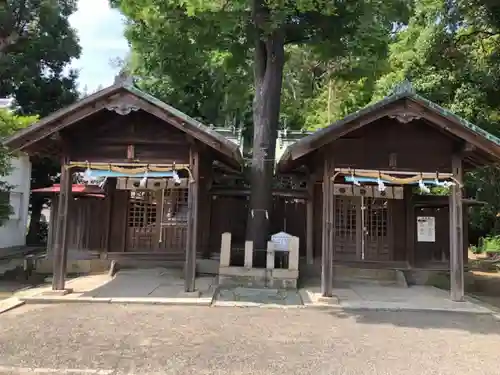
{"points": [[100, 30]]}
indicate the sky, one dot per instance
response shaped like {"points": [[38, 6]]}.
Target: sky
{"points": [[100, 30]]}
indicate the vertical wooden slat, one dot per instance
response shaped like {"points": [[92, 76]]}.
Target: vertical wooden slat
{"points": [[190, 264], [158, 194], [61, 240], [390, 228], [332, 238], [326, 260], [410, 224], [110, 197], [465, 228], [52, 226], [456, 234], [310, 221], [360, 228]]}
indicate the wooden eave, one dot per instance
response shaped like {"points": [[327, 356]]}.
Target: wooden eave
{"points": [[483, 147], [48, 128]]}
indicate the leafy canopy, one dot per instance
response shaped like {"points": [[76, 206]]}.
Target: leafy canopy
{"points": [[9, 123]]}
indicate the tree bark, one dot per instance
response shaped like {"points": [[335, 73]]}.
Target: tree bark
{"points": [[269, 59], [33, 236]]}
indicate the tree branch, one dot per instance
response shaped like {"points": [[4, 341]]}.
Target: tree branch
{"points": [[489, 34]]}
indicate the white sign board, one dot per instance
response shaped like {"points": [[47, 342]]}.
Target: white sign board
{"points": [[281, 241], [426, 229]]}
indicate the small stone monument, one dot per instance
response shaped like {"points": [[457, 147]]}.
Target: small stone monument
{"points": [[281, 241]]}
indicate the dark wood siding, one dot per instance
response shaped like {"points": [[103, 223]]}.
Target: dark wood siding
{"points": [[414, 146], [105, 137]]}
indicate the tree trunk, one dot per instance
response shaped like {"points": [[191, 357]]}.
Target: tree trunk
{"points": [[33, 237], [269, 61]]}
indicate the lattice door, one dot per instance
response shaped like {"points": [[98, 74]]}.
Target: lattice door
{"points": [[375, 239], [157, 221], [347, 224], [141, 221], [174, 221]]}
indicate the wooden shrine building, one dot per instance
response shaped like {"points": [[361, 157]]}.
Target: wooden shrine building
{"points": [[154, 165], [370, 169]]}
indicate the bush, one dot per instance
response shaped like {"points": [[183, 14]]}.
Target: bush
{"points": [[489, 244]]}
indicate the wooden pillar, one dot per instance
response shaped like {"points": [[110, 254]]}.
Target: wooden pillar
{"points": [[110, 192], [327, 254], [52, 226], [205, 206], [456, 234], [61, 235], [310, 221], [410, 224], [192, 230]]}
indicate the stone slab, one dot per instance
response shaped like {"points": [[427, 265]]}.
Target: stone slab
{"points": [[257, 296], [52, 292], [359, 296], [164, 301], [62, 299], [10, 303], [397, 306], [254, 304], [140, 301], [334, 300]]}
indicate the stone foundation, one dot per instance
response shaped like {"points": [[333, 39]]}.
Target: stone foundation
{"points": [[46, 265], [258, 277]]}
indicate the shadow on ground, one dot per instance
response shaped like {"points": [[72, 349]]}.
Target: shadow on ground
{"points": [[424, 320]]}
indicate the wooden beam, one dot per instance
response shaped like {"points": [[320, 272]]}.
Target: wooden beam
{"points": [[461, 132], [178, 123], [456, 234], [246, 192], [137, 140], [310, 221], [192, 230], [61, 236]]}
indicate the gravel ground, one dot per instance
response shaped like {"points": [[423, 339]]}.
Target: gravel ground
{"points": [[133, 339]]}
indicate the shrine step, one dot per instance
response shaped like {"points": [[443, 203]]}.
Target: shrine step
{"points": [[369, 276]]}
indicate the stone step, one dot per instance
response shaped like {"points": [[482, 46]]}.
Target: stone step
{"points": [[343, 272], [349, 274]]}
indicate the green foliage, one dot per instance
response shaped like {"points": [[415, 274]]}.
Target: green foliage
{"points": [[198, 55], [449, 50], [340, 56], [36, 44], [9, 123], [489, 244]]}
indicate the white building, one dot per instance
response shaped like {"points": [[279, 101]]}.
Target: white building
{"points": [[13, 231]]}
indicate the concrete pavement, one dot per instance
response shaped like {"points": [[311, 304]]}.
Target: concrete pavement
{"points": [[133, 340], [166, 287], [359, 296]]}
